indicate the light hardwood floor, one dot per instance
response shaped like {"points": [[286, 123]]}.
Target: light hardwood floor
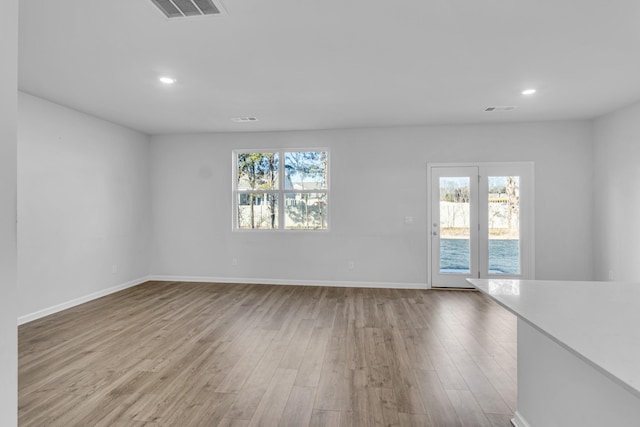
{"points": [[193, 354]]}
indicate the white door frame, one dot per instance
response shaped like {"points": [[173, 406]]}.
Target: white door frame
{"points": [[527, 212]]}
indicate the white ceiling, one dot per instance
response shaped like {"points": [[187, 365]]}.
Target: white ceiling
{"points": [[305, 64]]}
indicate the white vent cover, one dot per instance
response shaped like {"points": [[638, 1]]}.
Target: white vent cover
{"points": [[244, 119], [186, 8], [502, 108]]}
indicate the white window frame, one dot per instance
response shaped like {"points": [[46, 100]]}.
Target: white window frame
{"points": [[280, 192]]}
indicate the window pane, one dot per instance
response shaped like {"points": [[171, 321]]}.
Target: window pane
{"points": [[257, 211], [258, 171], [504, 225], [455, 233], [305, 211], [305, 170]]}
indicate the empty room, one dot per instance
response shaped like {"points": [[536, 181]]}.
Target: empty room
{"points": [[298, 213]]}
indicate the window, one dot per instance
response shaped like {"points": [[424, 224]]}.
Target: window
{"points": [[278, 189]]}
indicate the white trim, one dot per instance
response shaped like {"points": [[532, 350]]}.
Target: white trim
{"points": [[518, 421], [289, 282], [77, 301]]}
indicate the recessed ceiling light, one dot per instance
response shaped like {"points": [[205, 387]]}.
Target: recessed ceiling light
{"points": [[528, 92], [244, 119], [167, 80]]}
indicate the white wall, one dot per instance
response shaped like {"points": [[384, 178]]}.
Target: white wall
{"points": [[8, 312], [617, 195], [83, 205], [382, 168]]}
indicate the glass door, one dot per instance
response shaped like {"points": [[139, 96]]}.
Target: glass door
{"points": [[481, 223], [454, 229], [506, 221]]}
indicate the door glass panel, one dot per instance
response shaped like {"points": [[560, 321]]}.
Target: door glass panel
{"points": [[455, 232], [504, 225]]}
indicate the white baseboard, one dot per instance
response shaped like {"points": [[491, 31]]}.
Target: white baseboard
{"points": [[259, 281], [72, 303], [518, 421]]}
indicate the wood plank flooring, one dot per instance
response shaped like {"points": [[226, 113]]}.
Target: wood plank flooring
{"points": [[195, 354]]}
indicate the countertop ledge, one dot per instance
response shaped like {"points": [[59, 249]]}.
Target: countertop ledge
{"points": [[597, 321]]}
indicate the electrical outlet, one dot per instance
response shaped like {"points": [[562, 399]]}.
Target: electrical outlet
{"points": [[234, 261], [408, 220], [612, 276], [114, 268], [351, 265]]}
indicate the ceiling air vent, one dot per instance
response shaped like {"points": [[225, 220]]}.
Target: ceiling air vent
{"points": [[503, 108], [186, 8]]}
